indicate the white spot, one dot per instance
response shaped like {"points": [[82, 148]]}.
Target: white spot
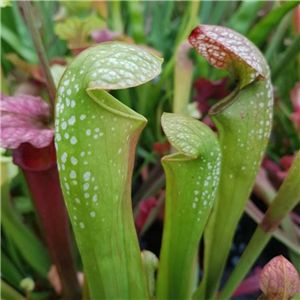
{"points": [[95, 198], [82, 117], [86, 195], [77, 200], [269, 93], [81, 225], [72, 120], [64, 157], [74, 160], [86, 186], [73, 140], [64, 125], [73, 174], [68, 101], [86, 176], [120, 150], [88, 132], [196, 192], [93, 214]]}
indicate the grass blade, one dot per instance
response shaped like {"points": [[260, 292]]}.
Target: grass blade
{"points": [[244, 17], [286, 199], [7, 292], [261, 30]]}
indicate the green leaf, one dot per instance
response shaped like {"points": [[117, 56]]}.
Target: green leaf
{"points": [[188, 21], [135, 10], [244, 17], [161, 24], [287, 58], [13, 40], [25, 241], [8, 169], [96, 137], [76, 31], [20, 27], [40, 295], [220, 10], [286, 237], [192, 177], [9, 271], [274, 46], [112, 66], [286, 199], [9, 293], [182, 78], [262, 29], [115, 16], [4, 3], [76, 7], [206, 12], [243, 120], [4, 87]]}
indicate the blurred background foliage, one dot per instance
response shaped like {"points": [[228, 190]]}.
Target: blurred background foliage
{"points": [[68, 27]]}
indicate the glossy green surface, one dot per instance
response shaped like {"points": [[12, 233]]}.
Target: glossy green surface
{"points": [[96, 137]]}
